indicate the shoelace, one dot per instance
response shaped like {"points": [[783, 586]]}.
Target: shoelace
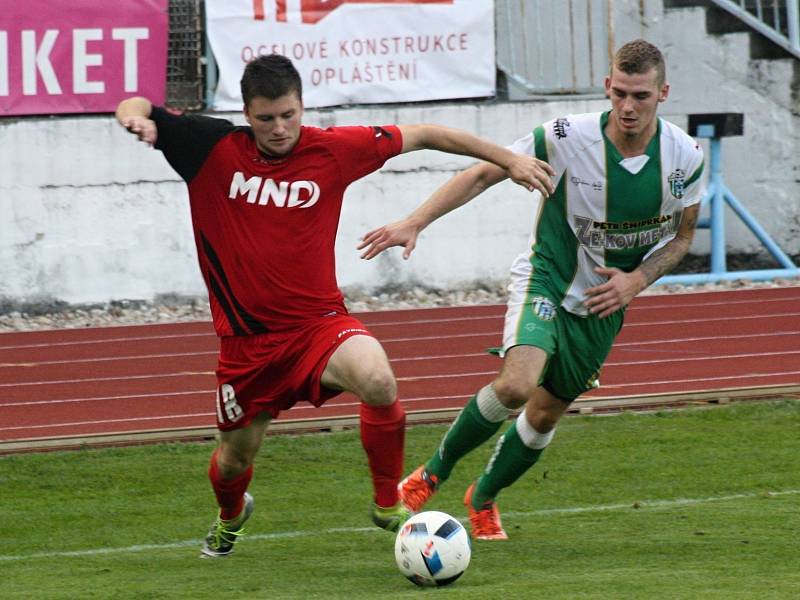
{"points": [[488, 520], [221, 531]]}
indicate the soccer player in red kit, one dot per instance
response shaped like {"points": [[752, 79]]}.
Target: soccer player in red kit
{"points": [[265, 202]]}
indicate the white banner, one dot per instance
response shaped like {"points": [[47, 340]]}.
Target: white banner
{"points": [[359, 51]]}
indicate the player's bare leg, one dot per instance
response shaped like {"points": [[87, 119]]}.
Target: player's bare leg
{"points": [[230, 472], [361, 366]]}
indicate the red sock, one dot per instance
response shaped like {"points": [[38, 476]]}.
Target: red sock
{"points": [[383, 430], [229, 492]]}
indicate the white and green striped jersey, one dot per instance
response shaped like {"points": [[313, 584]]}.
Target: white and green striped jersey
{"points": [[607, 210]]}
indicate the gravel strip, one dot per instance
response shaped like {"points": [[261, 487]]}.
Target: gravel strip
{"points": [[172, 309]]}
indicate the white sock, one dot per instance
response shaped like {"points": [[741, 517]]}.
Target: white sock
{"points": [[490, 407], [529, 436]]}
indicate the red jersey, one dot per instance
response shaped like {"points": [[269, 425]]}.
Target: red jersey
{"points": [[265, 227]]}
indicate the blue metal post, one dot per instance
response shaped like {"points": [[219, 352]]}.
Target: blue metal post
{"points": [[718, 260], [716, 197]]}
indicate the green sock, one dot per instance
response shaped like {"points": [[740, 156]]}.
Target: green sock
{"points": [[468, 431], [510, 461]]}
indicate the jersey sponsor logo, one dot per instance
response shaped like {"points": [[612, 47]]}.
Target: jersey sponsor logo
{"points": [[560, 127], [283, 194], [594, 381], [543, 308], [632, 224], [352, 330], [380, 131], [597, 186], [676, 181], [619, 236]]}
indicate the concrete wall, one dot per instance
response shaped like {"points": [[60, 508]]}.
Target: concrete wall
{"points": [[711, 74], [91, 215]]}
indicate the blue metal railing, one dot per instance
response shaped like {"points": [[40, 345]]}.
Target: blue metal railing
{"points": [[717, 196], [777, 20]]}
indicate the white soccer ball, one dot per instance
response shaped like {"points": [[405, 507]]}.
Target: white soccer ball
{"points": [[432, 549]]}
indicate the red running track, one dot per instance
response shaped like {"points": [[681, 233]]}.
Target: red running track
{"points": [[82, 384]]}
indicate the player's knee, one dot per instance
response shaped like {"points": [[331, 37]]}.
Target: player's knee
{"points": [[232, 462], [544, 410], [511, 393], [378, 387], [542, 421]]}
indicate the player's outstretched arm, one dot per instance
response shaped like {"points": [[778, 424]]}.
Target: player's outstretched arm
{"points": [[134, 115], [527, 171], [456, 192], [621, 287]]}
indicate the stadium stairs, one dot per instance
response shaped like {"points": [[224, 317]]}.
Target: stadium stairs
{"points": [[721, 22]]}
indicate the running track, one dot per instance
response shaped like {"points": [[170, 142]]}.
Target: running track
{"points": [[73, 387]]}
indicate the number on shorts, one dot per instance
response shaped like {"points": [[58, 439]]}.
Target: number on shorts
{"points": [[226, 401]]}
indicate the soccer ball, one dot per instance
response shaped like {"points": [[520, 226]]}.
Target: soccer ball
{"points": [[432, 549]]}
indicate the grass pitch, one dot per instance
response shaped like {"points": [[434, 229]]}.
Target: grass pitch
{"points": [[690, 504]]}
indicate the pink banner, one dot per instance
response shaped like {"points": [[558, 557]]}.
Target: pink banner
{"points": [[78, 56]]}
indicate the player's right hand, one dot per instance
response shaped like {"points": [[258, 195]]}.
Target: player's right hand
{"points": [[142, 127], [401, 233]]}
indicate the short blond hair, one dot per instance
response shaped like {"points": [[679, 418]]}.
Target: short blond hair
{"points": [[640, 56]]}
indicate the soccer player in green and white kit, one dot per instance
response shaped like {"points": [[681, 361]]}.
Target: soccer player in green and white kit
{"points": [[623, 213]]}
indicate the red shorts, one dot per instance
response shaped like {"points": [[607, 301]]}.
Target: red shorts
{"points": [[270, 372]]}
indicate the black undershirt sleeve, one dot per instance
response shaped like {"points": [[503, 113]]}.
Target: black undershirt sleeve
{"points": [[187, 140]]}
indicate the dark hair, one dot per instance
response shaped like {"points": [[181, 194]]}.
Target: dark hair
{"points": [[270, 76], [640, 56]]}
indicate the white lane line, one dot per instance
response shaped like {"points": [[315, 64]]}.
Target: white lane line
{"points": [[100, 379], [662, 305], [637, 308], [139, 338], [639, 505], [741, 375], [708, 338], [210, 414], [619, 388], [696, 357], [443, 319], [75, 361], [744, 376], [747, 376], [104, 398], [210, 393], [686, 357], [105, 421], [625, 345]]}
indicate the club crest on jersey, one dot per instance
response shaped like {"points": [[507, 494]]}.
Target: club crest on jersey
{"points": [[593, 381], [283, 194], [543, 308], [676, 181], [560, 127]]}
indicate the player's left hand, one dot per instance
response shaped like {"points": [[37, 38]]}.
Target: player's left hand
{"points": [[616, 293], [402, 233], [532, 174], [142, 127]]}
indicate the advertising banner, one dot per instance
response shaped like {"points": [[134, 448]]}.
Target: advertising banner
{"points": [[359, 51], [78, 56]]}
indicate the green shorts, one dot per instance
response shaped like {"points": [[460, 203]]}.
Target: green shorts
{"points": [[576, 346]]}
